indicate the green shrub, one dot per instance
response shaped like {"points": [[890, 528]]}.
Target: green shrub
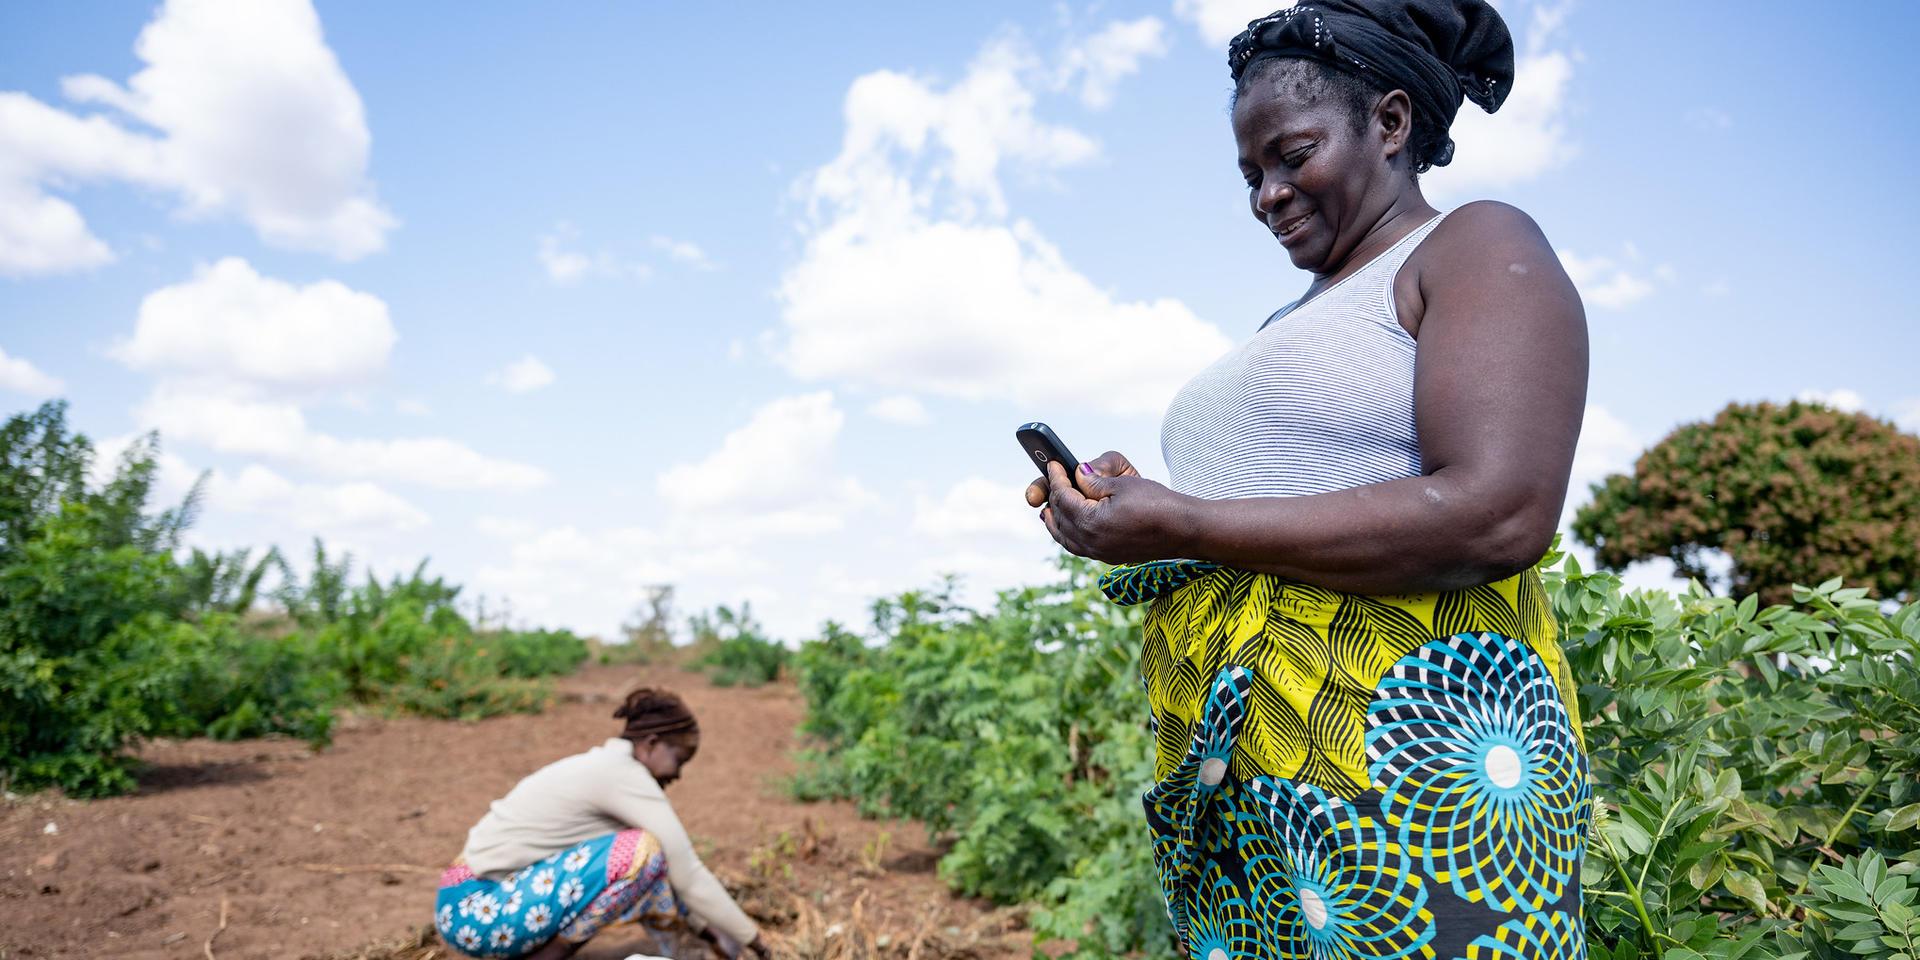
{"points": [[238, 684], [84, 669], [536, 653], [1013, 734], [730, 647], [1757, 771], [106, 638], [458, 678]]}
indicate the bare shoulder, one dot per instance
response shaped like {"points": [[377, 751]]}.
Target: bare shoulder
{"points": [[1483, 252], [1486, 228], [1488, 241]]}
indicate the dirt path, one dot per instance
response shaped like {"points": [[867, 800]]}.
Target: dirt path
{"points": [[317, 854]]}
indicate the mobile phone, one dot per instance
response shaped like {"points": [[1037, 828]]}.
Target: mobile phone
{"points": [[1041, 445]]}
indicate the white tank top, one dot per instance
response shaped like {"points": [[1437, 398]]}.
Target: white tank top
{"points": [[1319, 399]]}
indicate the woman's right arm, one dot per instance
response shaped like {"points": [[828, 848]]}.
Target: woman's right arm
{"points": [[696, 886]]}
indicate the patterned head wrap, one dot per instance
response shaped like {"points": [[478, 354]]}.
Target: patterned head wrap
{"points": [[655, 713], [1438, 51]]}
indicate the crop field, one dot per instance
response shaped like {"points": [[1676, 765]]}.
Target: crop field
{"points": [[214, 755], [337, 852]]}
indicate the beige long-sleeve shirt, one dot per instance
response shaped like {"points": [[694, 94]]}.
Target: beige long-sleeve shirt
{"points": [[589, 795]]}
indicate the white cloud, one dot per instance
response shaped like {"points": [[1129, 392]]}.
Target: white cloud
{"points": [[892, 121], [1906, 414], [563, 266], [232, 324], [317, 508], [877, 300], [412, 407], [682, 251], [744, 521], [252, 116], [902, 408], [565, 263], [232, 420], [21, 376], [976, 507], [1607, 446], [1841, 399], [773, 475], [592, 579], [1613, 284], [1218, 20], [523, 375], [1102, 60], [293, 511]]}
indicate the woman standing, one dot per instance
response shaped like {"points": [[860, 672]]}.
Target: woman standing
{"points": [[1366, 740], [587, 842]]}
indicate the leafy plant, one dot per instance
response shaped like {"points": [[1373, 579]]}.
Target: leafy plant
{"points": [[1757, 769], [107, 638], [731, 647]]}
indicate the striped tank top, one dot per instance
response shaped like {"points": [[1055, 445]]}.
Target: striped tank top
{"points": [[1319, 399]]}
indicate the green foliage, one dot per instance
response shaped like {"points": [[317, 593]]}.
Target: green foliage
{"points": [[85, 585], [529, 654], [1794, 494], [225, 582], [1756, 770], [457, 678], [1735, 750], [107, 638], [733, 650], [1015, 733], [239, 684]]}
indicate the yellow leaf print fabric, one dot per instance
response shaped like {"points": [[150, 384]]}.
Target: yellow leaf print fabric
{"points": [[1315, 655]]}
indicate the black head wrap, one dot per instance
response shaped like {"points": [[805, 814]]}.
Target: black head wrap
{"points": [[1438, 51]]}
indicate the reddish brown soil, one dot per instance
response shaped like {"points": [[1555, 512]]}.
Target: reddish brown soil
{"points": [[315, 854]]}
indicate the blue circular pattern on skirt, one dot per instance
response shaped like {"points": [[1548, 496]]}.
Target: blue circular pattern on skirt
{"points": [[1328, 879], [1475, 757], [1556, 935]]}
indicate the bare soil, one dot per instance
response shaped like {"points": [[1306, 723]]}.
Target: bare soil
{"points": [[265, 849]]}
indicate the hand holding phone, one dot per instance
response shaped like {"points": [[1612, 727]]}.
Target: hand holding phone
{"points": [[1042, 446]]}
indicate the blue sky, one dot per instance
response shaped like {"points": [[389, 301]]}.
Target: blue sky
{"points": [[578, 298]]}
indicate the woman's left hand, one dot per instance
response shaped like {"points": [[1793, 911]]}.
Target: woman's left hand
{"points": [[1109, 512]]}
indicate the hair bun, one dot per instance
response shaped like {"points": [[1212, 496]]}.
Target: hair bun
{"points": [[651, 711]]}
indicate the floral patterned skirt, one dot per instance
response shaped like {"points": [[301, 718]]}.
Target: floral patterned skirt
{"points": [[1347, 776], [573, 894]]}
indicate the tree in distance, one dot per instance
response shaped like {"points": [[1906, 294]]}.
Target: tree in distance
{"points": [[1799, 493]]}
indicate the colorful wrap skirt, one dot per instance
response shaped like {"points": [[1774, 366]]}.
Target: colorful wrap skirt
{"points": [[574, 894], [1348, 776]]}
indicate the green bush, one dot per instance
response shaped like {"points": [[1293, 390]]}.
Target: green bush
{"points": [[237, 684], [459, 678], [730, 647], [86, 587], [107, 638], [1757, 771], [536, 653], [1015, 735]]}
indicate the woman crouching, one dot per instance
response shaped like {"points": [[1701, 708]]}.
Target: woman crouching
{"points": [[587, 842]]}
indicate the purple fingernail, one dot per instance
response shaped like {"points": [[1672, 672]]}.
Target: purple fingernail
{"points": [[1087, 468]]}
